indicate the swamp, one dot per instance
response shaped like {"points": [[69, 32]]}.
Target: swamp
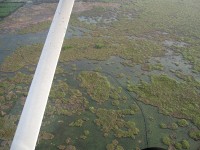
{"points": [[128, 75]]}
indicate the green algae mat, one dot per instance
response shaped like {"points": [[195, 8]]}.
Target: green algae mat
{"points": [[128, 78]]}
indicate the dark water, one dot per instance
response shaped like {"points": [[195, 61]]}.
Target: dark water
{"points": [[10, 42]]}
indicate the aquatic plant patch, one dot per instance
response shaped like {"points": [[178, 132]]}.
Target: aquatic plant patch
{"points": [[6, 8], [179, 99]]}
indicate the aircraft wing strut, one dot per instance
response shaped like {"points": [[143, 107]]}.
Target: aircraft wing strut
{"points": [[31, 118]]}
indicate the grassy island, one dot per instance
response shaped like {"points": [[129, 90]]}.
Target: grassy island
{"points": [[179, 99], [98, 87], [113, 120]]}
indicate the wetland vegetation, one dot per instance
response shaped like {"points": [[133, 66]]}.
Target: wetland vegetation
{"points": [[114, 145], [9, 7], [113, 120], [41, 26], [107, 89], [169, 141], [195, 134], [98, 87], [179, 99]]}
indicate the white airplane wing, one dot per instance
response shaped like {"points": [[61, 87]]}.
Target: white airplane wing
{"points": [[31, 118]]}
